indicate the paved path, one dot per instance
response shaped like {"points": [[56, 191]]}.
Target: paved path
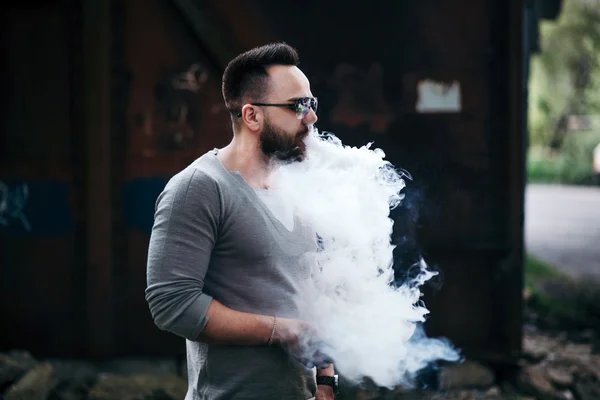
{"points": [[562, 227]]}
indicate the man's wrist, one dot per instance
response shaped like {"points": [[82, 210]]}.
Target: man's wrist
{"points": [[329, 371]]}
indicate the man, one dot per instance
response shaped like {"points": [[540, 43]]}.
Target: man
{"points": [[225, 262]]}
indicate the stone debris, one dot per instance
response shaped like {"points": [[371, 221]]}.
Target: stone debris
{"points": [[468, 374], [552, 367], [134, 387], [13, 365], [36, 384]]}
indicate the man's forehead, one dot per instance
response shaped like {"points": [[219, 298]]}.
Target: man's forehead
{"points": [[288, 81]]}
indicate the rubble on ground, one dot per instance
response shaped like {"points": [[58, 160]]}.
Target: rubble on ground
{"points": [[553, 366]]}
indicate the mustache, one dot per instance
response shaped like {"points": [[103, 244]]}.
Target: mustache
{"points": [[303, 132]]}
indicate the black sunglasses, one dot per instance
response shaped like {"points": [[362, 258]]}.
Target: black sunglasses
{"points": [[300, 106]]}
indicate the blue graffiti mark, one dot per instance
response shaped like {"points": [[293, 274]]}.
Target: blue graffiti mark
{"points": [[40, 208], [12, 203], [139, 201]]}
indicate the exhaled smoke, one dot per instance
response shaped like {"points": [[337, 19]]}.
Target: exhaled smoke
{"points": [[369, 326]]}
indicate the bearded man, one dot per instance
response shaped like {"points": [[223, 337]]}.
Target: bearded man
{"points": [[225, 260]]}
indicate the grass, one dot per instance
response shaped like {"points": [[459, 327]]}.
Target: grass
{"points": [[538, 275], [572, 164], [558, 170], [537, 270], [561, 301]]}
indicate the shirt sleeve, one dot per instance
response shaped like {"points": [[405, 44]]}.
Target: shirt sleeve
{"points": [[182, 238]]}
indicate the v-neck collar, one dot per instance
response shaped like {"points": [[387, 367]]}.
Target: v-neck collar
{"points": [[279, 226]]}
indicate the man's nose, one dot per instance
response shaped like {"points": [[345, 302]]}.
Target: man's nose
{"points": [[311, 117]]}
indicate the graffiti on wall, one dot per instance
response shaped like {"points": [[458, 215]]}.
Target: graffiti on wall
{"points": [[12, 205], [179, 99], [191, 79]]}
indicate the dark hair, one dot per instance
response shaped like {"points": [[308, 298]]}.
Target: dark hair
{"points": [[246, 77]]}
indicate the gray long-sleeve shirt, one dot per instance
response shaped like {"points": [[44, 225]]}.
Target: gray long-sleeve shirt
{"points": [[213, 238]]}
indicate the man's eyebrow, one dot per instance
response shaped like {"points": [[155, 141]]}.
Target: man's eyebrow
{"points": [[296, 98]]}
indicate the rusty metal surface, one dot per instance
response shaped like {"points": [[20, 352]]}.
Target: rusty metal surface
{"points": [[41, 274], [96, 82], [173, 113]]}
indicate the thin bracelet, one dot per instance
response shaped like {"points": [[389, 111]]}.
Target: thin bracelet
{"points": [[270, 342]]}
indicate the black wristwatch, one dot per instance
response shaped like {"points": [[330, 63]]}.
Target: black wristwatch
{"points": [[329, 381]]}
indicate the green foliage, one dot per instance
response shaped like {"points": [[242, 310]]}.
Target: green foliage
{"points": [[571, 165], [565, 75]]}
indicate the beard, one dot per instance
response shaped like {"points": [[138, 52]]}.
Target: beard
{"points": [[278, 145]]}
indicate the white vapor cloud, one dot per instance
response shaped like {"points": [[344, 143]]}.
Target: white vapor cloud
{"points": [[369, 327]]}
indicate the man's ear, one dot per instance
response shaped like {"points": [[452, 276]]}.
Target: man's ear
{"points": [[252, 117]]}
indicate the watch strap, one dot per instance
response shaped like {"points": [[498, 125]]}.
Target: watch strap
{"points": [[329, 381], [326, 380]]}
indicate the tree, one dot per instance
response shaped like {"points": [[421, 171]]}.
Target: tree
{"points": [[565, 75]]}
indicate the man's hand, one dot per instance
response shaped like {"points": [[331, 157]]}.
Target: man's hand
{"points": [[324, 392], [289, 332], [300, 340]]}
